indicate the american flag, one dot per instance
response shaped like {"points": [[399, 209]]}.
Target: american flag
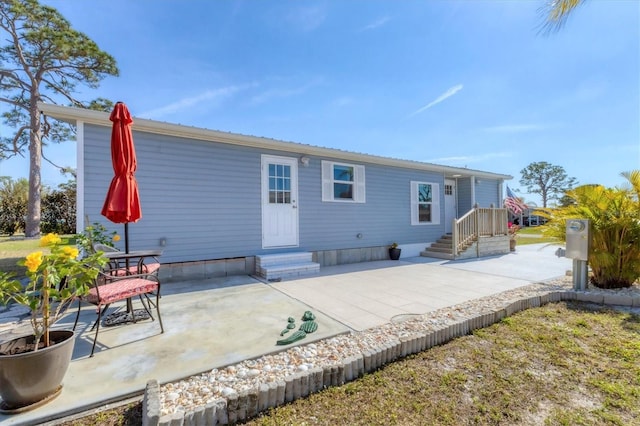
{"points": [[514, 203]]}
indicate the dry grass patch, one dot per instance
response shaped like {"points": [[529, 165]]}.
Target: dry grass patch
{"points": [[561, 364]]}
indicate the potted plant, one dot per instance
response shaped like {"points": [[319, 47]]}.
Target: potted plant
{"points": [[513, 235], [32, 366], [394, 251]]}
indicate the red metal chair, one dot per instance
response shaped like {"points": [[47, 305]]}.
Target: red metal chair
{"points": [[109, 288]]}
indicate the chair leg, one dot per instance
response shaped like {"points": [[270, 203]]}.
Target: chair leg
{"points": [[130, 309], [144, 305], [77, 315], [158, 311], [97, 326], [100, 313]]}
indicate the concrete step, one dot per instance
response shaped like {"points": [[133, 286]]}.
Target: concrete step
{"points": [[289, 270], [280, 258], [274, 267]]}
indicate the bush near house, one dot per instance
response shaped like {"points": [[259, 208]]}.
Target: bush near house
{"points": [[615, 229]]}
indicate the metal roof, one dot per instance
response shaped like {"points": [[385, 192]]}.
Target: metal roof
{"points": [[76, 115]]}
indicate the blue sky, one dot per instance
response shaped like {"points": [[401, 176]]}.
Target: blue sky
{"points": [[460, 83]]}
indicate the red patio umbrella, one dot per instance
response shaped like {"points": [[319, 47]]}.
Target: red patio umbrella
{"points": [[122, 204]]}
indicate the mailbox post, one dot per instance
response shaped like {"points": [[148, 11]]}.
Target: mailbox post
{"points": [[578, 246]]}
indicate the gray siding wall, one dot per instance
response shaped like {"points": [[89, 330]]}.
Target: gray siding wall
{"points": [[464, 196], [487, 193], [383, 219], [204, 199]]}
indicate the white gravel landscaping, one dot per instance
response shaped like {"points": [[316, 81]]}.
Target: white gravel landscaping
{"points": [[239, 391]]}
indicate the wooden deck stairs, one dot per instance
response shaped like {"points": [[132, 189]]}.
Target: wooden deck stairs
{"points": [[442, 248], [469, 232]]}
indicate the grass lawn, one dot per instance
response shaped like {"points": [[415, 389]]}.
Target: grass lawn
{"points": [[533, 235], [13, 249], [561, 364]]}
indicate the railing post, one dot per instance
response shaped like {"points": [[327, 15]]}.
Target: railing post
{"points": [[476, 219], [454, 238], [493, 221]]}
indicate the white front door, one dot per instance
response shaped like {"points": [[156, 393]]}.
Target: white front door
{"points": [[450, 210], [279, 201]]}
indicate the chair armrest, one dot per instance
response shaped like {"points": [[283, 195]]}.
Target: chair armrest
{"points": [[141, 266]]}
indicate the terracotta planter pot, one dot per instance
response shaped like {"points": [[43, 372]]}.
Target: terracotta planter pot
{"points": [[29, 378]]}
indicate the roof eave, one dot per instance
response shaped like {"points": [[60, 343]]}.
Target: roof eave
{"points": [[100, 118]]}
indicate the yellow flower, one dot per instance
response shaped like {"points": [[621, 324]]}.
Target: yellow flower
{"points": [[116, 237], [49, 240], [70, 252], [33, 261]]}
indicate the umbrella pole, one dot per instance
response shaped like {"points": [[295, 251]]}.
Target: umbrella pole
{"points": [[126, 237]]}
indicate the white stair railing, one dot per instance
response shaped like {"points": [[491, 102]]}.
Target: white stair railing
{"points": [[476, 223]]}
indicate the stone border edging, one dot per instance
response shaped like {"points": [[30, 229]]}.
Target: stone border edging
{"points": [[245, 405]]}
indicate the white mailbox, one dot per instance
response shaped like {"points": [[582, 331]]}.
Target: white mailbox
{"points": [[578, 239]]}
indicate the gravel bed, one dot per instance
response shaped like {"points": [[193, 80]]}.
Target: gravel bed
{"points": [[197, 391]]}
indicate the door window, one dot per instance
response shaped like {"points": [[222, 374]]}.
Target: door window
{"points": [[279, 184]]}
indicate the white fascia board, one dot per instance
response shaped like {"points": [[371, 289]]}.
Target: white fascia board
{"points": [[75, 115]]}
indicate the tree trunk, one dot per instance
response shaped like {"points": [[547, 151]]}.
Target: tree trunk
{"points": [[32, 222]]}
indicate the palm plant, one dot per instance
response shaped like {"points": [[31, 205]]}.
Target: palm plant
{"points": [[614, 213], [556, 13]]}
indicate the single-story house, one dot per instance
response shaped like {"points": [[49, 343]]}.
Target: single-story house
{"points": [[215, 202]]}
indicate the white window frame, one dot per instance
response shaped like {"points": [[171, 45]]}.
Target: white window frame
{"points": [[435, 203], [328, 181]]}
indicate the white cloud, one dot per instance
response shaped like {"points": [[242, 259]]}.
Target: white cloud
{"points": [[190, 102], [276, 93], [282, 93], [376, 24], [307, 18], [343, 101], [514, 128], [450, 92], [469, 159]]}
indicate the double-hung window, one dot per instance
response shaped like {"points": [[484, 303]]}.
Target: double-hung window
{"points": [[343, 182], [425, 203]]}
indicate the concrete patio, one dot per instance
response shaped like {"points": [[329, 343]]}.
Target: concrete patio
{"points": [[219, 322]]}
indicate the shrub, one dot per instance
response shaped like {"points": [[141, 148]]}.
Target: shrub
{"points": [[614, 213]]}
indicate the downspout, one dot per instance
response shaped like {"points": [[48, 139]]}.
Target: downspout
{"points": [[473, 191], [457, 212], [80, 225]]}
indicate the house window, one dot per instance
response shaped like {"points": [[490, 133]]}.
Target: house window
{"points": [[343, 182], [279, 184], [425, 203]]}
